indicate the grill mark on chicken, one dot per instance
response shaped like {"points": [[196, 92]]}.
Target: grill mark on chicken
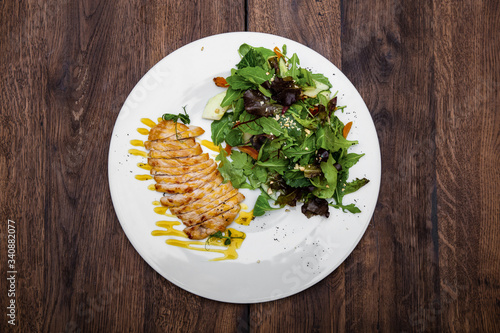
{"points": [[218, 223], [217, 192], [177, 162], [187, 187], [198, 213], [166, 144], [219, 209], [175, 171], [190, 180], [187, 198], [192, 176], [188, 152]]}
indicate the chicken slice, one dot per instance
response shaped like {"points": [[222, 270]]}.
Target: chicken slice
{"points": [[174, 171], [195, 214], [166, 144], [191, 132], [187, 177], [177, 162], [184, 199], [188, 152], [165, 129], [187, 187], [219, 191], [221, 208], [209, 227]]}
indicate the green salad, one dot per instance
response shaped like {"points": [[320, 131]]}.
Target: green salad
{"points": [[280, 119]]}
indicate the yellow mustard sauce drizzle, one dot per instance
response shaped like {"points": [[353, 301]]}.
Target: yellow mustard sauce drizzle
{"points": [[143, 177], [144, 166], [143, 131], [148, 122], [160, 120], [137, 143], [152, 187], [210, 145], [244, 218], [229, 252], [169, 225], [156, 203], [138, 152], [163, 211]]}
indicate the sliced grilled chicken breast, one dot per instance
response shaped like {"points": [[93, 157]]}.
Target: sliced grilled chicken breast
{"points": [[166, 144], [188, 152], [211, 205], [216, 193], [190, 181], [192, 176], [193, 219], [175, 171], [187, 198], [187, 187], [218, 223], [177, 162], [166, 129]]}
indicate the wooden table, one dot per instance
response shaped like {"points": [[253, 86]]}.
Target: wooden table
{"points": [[429, 73]]}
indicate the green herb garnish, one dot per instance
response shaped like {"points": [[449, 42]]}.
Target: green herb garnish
{"points": [[220, 235], [176, 117]]}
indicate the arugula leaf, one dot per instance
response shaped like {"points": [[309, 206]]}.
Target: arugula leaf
{"points": [[295, 178], [248, 124], [294, 69], [262, 205], [304, 78], [351, 208], [331, 174], [322, 79], [311, 123], [350, 159], [294, 153], [325, 138], [251, 58], [231, 96], [339, 142], [271, 126], [256, 75], [257, 176], [276, 164], [243, 49], [220, 128], [228, 172], [234, 137], [238, 82], [355, 185], [241, 160]]}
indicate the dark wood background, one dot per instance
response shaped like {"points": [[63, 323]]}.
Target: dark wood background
{"points": [[430, 75]]}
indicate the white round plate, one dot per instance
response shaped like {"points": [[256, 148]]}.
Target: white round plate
{"points": [[284, 252]]}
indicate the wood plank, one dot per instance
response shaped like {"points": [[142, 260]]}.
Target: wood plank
{"points": [[392, 277], [468, 187], [23, 119], [321, 307]]}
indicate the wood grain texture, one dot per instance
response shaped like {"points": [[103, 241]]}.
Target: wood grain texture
{"points": [[429, 72]]}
